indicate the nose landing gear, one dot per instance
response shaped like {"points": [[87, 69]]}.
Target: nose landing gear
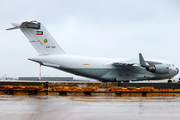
{"points": [[169, 81]]}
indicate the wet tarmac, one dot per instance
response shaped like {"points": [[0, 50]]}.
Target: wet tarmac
{"points": [[13, 107]]}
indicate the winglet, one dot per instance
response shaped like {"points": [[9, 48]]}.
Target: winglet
{"points": [[141, 61]]}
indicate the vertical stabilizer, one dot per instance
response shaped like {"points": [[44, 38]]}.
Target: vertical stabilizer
{"points": [[39, 37]]}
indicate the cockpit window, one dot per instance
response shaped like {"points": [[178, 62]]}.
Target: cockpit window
{"points": [[169, 65]]}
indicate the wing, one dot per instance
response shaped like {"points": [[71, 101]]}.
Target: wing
{"points": [[136, 62], [121, 64], [125, 63]]}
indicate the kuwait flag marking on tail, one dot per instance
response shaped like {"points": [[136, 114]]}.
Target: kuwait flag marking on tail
{"points": [[39, 32]]}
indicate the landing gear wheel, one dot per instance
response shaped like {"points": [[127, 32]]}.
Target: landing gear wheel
{"points": [[118, 93], [62, 93], [169, 81], [119, 84], [125, 81], [87, 92]]}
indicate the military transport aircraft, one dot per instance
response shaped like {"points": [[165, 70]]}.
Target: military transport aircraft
{"points": [[102, 69]]}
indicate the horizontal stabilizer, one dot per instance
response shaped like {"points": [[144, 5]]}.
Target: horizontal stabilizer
{"points": [[12, 28], [39, 37], [50, 64]]}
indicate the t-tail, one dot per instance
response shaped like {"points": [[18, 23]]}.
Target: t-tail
{"points": [[39, 37]]}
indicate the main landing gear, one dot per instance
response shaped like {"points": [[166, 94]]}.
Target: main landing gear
{"points": [[126, 81]]}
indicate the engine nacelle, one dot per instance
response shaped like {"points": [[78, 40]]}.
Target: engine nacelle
{"points": [[159, 69]]}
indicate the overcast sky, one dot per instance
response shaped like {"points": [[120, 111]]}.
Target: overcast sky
{"points": [[99, 28]]}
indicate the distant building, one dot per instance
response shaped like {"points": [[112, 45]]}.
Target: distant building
{"points": [[46, 78]]}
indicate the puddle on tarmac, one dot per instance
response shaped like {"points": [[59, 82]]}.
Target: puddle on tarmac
{"points": [[34, 107], [21, 97], [89, 98]]}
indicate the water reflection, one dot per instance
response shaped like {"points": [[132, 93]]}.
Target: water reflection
{"points": [[124, 99], [90, 98]]}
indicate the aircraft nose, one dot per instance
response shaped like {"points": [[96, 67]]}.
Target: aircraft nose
{"points": [[177, 70]]}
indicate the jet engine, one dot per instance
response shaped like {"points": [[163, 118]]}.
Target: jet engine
{"points": [[159, 69]]}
